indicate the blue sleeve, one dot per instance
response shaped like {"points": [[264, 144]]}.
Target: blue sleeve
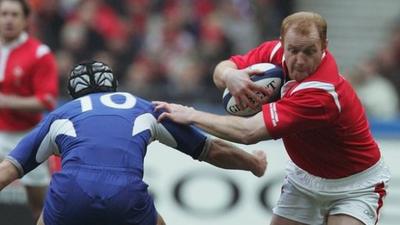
{"points": [[189, 139], [25, 155]]}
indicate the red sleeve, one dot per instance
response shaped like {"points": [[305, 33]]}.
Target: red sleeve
{"points": [[303, 111], [45, 81], [260, 54]]}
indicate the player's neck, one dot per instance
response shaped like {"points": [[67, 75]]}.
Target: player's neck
{"points": [[9, 41]]}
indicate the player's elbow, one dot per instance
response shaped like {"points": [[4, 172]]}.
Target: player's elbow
{"points": [[8, 173], [248, 140], [248, 136], [252, 130]]}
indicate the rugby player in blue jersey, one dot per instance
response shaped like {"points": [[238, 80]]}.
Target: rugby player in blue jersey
{"points": [[102, 137]]}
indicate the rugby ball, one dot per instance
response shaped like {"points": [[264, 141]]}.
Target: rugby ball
{"points": [[270, 77]]}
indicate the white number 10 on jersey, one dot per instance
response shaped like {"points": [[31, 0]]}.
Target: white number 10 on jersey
{"points": [[130, 101]]}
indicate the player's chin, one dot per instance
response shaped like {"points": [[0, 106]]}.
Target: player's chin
{"points": [[10, 34], [300, 76]]}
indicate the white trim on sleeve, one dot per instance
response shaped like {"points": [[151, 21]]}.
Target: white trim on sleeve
{"points": [[274, 114]]}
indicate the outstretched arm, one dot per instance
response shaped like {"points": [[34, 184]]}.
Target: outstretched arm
{"points": [[188, 140], [227, 156], [8, 173], [245, 130]]}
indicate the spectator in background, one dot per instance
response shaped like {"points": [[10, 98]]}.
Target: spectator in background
{"points": [[376, 92], [65, 61], [237, 21], [161, 32], [28, 87], [47, 22], [144, 78], [387, 59], [377, 79], [269, 15]]}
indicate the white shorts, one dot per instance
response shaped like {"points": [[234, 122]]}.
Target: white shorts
{"points": [[37, 177], [309, 199]]}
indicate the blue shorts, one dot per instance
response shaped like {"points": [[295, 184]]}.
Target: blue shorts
{"points": [[93, 196]]}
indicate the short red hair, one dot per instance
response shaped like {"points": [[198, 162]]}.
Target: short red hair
{"points": [[302, 23]]}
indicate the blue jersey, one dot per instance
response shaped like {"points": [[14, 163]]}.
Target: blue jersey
{"points": [[105, 130], [102, 140]]}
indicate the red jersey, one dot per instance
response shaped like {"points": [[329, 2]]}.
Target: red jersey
{"points": [[27, 68], [320, 119]]}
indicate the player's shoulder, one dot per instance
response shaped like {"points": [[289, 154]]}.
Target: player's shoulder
{"points": [[312, 88], [38, 48], [271, 43], [271, 47], [66, 109], [328, 68], [274, 50], [141, 102], [316, 93]]}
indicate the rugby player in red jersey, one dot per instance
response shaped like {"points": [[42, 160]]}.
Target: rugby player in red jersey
{"points": [[336, 175], [28, 87]]}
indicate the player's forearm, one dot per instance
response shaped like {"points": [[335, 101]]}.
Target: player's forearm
{"points": [[8, 173], [14, 102], [225, 155], [229, 128], [221, 71]]}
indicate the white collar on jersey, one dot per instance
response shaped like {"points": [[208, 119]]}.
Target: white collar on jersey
{"points": [[17, 42]]}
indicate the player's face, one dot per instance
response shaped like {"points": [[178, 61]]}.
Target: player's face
{"points": [[12, 20], [303, 53]]}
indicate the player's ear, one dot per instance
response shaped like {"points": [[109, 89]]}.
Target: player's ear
{"points": [[325, 44], [281, 40]]}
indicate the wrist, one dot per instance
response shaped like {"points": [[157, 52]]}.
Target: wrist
{"points": [[193, 116], [225, 73]]}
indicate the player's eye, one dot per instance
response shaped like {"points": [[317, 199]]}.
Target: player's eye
{"points": [[309, 52], [293, 51]]}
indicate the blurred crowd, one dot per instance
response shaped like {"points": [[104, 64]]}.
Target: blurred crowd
{"points": [[377, 78], [158, 49], [168, 49]]}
